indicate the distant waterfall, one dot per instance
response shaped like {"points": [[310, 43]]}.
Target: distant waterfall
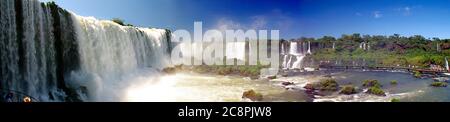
{"points": [[334, 45], [447, 67], [44, 48], [364, 46], [294, 54], [309, 48], [438, 47]]}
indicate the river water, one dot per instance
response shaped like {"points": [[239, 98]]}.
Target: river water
{"points": [[191, 87]]}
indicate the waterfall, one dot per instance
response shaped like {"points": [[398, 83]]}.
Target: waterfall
{"points": [[109, 52], [334, 45], [438, 47], [50, 54], [446, 64], [364, 46], [27, 49], [309, 47], [293, 59], [108, 48]]}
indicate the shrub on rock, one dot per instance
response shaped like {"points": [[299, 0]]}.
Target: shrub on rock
{"points": [[394, 82], [376, 91], [252, 95], [371, 83], [439, 84], [169, 70], [348, 90], [395, 100], [327, 85]]}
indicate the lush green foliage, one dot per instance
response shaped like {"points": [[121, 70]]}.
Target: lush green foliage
{"points": [[348, 89], [417, 74], [395, 100], [439, 84], [252, 95], [120, 22], [371, 83], [394, 82], [393, 50], [327, 85], [376, 91]]}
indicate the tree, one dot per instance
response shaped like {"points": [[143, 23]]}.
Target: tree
{"points": [[119, 21]]}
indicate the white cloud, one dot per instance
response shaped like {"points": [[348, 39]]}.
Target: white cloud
{"points": [[227, 24], [406, 11], [259, 22], [275, 19], [377, 14]]}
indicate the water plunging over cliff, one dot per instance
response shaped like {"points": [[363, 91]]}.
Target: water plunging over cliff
{"points": [[51, 54]]}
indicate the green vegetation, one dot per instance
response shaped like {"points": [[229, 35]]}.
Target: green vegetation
{"points": [[120, 22], [371, 83], [374, 87], [376, 91], [394, 82], [415, 51], [395, 100], [246, 71], [439, 84], [417, 74], [252, 95], [327, 85], [348, 90]]}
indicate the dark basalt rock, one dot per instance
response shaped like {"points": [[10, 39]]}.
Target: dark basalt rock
{"points": [[272, 77], [287, 83], [309, 87], [169, 70]]}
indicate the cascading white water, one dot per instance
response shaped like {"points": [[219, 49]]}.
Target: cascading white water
{"points": [[108, 48], [9, 67], [50, 54], [447, 67], [299, 56], [364, 46], [110, 52], [309, 48], [334, 45], [27, 63], [294, 58]]}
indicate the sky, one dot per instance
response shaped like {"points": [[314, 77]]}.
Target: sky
{"points": [[294, 18]]}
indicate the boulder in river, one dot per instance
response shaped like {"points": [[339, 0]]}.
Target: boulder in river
{"points": [[252, 95], [348, 90], [285, 83], [327, 85], [439, 84], [376, 91], [272, 77], [169, 70], [371, 83], [309, 87]]}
